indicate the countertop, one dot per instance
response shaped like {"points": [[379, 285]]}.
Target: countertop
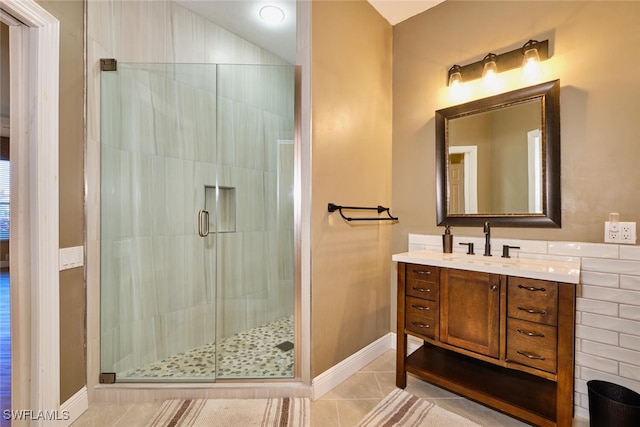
{"points": [[558, 271]]}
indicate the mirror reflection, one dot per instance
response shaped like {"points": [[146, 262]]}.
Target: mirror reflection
{"points": [[495, 161], [498, 159]]}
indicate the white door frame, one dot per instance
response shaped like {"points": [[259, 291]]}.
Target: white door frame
{"points": [[34, 245], [470, 175]]}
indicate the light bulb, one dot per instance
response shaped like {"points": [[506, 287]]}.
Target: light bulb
{"points": [[490, 73], [455, 75], [531, 65], [490, 66], [272, 14]]}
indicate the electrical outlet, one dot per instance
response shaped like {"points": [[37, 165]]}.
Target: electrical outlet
{"points": [[624, 233]]}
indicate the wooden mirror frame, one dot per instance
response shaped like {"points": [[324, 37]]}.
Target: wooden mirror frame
{"points": [[549, 93]]}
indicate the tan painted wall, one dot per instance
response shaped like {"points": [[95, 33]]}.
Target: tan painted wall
{"points": [[71, 141], [600, 130], [351, 165]]}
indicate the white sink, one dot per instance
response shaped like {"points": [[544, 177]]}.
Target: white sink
{"points": [[561, 271]]}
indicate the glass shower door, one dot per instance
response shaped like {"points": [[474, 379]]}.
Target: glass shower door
{"points": [[255, 257], [197, 247], [158, 155]]}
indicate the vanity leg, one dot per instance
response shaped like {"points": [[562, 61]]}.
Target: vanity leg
{"points": [[566, 354], [401, 345], [401, 374]]}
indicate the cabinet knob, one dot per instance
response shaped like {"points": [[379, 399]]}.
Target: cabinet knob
{"points": [[494, 288]]}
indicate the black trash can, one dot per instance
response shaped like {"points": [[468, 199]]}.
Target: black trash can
{"points": [[612, 405]]}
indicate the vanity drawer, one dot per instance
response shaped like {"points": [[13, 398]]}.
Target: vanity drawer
{"points": [[423, 281], [417, 307], [532, 344], [426, 273], [534, 300], [421, 317]]}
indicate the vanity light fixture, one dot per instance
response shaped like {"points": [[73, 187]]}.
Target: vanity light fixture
{"points": [[531, 61], [272, 14], [489, 67], [455, 75], [494, 63]]}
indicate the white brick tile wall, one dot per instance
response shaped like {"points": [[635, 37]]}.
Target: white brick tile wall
{"points": [[630, 371], [595, 250], [629, 341], [600, 363], [630, 282], [610, 351], [630, 252], [607, 311], [611, 323], [630, 311], [598, 335], [608, 265], [597, 307], [610, 294], [600, 279]]}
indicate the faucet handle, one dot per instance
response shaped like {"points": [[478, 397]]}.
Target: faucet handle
{"points": [[505, 250], [469, 248]]}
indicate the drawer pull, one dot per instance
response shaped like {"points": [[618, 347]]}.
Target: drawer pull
{"points": [[425, 272], [529, 334], [420, 325], [529, 355], [420, 307], [421, 289], [531, 288], [532, 310]]}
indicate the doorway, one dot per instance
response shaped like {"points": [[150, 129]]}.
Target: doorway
{"points": [[34, 262]]}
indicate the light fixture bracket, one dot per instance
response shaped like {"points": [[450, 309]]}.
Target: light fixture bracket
{"points": [[504, 61]]}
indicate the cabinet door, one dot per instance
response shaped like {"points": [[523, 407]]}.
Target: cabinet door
{"points": [[470, 310]]}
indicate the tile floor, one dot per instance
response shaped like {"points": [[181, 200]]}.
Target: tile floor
{"points": [[344, 406], [255, 353]]}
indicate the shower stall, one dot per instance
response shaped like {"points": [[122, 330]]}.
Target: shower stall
{"points": [[197, 222]]}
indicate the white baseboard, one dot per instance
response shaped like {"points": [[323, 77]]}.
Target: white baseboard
{"points": [[330, 378], [413, 343], [74, 406]]}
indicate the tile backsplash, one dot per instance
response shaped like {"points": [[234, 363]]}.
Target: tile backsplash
{"points": [[607, 307]]}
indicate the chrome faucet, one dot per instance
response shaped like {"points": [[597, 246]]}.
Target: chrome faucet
{"points": [[487, 239]]}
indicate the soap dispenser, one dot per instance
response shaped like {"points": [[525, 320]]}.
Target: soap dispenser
{"points": [[447, 240]]}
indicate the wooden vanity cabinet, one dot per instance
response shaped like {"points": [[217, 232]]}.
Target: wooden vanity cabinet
{"points": [[504, 341], [470, 310]]}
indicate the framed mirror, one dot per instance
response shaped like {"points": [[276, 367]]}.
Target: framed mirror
{"points": [[498, 160]]}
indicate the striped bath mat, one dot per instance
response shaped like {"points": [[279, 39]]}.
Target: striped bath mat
{"points": [[402, 409], [276, 412]]}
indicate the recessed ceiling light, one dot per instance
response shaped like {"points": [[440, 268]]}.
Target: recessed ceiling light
{"points": [[272, 14]]}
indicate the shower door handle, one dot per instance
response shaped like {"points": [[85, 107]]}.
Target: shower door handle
{"points": [[203, 223]]}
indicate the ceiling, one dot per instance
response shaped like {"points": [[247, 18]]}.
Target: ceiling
{"points": [[241, 17]]}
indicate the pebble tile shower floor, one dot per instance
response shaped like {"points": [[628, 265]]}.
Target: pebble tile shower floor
{"points": [[256, 353]]}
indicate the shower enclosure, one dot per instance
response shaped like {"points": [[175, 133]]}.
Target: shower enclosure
{"points": [[197, 243]]}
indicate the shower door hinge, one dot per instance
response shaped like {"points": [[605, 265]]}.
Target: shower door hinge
{"points": [[107, 378], [108, 64]]}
